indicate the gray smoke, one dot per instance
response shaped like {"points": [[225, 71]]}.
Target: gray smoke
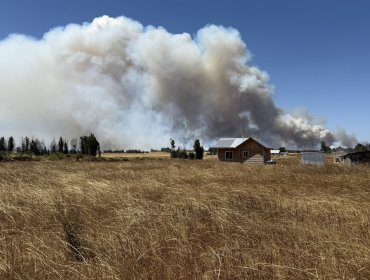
{"points": [[345, 139], [137, 87]]}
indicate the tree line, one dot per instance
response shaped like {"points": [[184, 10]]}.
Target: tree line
{"points": [[182, 153], [87, 145], [357, 148]]}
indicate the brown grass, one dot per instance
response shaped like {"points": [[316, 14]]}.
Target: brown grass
{"points": [[182, 219]]}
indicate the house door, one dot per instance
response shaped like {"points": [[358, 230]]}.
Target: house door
{"points": [[245, 155]]}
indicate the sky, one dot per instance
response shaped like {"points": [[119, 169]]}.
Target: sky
{"points": [[317, 52]]}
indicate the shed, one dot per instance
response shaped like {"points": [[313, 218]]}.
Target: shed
{"points": [[248, 150], [357, 157], [316, 158]]}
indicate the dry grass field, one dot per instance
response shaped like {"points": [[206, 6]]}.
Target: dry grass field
{"points": [[182, 219]]}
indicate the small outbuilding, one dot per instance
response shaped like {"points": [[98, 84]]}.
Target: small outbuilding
{"points": [[357, 157], [248, 150], [315, 158]]}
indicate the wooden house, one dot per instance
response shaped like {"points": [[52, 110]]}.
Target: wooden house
{"points": [[248, 150]]}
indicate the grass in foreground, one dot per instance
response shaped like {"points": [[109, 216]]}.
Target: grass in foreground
{"points": [[179, 219]]}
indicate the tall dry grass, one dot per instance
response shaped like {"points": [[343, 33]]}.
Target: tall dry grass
{"points": [[182, 219]]}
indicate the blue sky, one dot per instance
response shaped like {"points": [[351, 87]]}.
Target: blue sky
{"points": [[316, 52]]}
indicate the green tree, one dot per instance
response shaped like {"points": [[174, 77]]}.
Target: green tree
{"points": [[282, 150], [11, 144], [25, 144], [173, 144], [199, 150], [73, 146], [53, 147], [33, 147], [60, 145], [324, 148], [212, 151], [37, 147], [360, 148], [175, 153], [89, 145], [93, 145], [65, 148], [2, 144], [83, 145]]}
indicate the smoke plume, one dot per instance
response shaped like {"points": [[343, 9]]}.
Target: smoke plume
{"points": [[137, 87]]}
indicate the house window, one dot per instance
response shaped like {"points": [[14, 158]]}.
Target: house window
{"points": [[228, 155], [245, 154]]}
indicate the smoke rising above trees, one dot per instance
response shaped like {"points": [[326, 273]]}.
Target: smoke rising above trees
{"points": [[138, 86]]}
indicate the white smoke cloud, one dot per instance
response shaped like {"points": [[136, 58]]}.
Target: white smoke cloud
{"points": [[137, 87]]}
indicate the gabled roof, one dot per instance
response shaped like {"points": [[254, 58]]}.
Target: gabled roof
{"points": [[229, 142], [235, 142]]}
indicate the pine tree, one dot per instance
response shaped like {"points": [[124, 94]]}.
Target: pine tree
{"points": [[11, 144], [25, 144], [36, 147], [93, 145], [53, 146], [83, 145], [65, 148], [33, 147], [173, 144], [73, 146], [2, 144], [199, 150], [324, 148], [60, 145]]}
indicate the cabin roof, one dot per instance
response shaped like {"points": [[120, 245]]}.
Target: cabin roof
{"points": [[357, 152], [235, 142]]}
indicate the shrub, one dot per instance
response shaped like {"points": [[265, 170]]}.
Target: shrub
{"points": [[191, 155], [182, 154], [174, 154], [166, 150], [79, 156], [57, 156], [3, 156], [23, 157]]}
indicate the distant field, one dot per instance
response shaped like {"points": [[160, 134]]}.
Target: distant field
{"points": [[145, 155], [181, 219], [134, 155]]}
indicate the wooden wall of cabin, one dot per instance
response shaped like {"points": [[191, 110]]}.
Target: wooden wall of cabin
{"points": [[251, 146]]}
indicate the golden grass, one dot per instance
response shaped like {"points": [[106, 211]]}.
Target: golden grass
{"points": [[182, 219]]}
